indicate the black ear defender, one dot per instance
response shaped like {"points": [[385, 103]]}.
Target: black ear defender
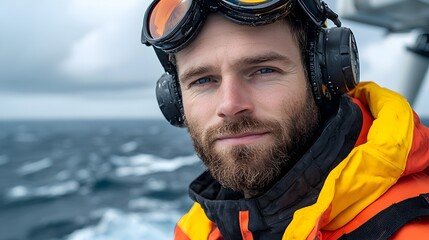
{"points": [[332, 55], [342, 60], [333, 63], [169, 99], [168, 92]]}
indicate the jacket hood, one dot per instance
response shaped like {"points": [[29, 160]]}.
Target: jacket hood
{"points": [[394, 147]]}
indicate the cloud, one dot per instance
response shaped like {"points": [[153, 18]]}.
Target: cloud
{"points": [[73, 46], [77, 59], [112, 50]]}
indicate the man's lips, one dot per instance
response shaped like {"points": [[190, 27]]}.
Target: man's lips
{"points": [[242, 138]]}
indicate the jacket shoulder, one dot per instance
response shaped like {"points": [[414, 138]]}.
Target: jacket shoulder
{"points": [[407, 187]]}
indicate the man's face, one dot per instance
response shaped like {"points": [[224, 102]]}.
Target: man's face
{"points": [[247, 103]]}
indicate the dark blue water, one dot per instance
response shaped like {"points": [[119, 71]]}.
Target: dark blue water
{"points": [[82, 180], [93, 179]]}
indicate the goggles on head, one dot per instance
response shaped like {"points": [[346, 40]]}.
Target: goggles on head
{"points": [[170, 24]]}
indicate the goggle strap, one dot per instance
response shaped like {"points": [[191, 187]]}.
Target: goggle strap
{"points": [[331, 15], [318, 12], [165, 61]]}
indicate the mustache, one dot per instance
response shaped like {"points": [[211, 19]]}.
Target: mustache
{"points": [[239, 125]]}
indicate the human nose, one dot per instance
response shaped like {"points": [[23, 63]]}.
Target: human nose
{"points": [[234, 98]]}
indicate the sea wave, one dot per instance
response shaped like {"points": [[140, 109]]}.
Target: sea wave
{"points": [[34, 167], [49, 191], [149, 204], [144, 164], [115, 224], [129, 146]]}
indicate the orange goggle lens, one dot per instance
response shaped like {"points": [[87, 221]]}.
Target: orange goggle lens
{"points": [[166, 15], [249, 2]]}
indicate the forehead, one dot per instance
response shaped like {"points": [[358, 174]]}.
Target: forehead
{"points": [[221, 39]]}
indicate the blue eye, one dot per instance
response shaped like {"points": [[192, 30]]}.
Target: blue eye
{"points": [[202, 81], [264, 71]]}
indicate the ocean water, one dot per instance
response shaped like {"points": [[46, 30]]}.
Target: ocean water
{"points": [[94, 180], [78, 180]]}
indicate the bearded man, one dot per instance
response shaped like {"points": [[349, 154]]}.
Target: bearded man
{"points": [[295, 147]]}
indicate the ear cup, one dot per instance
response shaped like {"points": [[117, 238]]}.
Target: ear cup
{"points": [[341, 59], [170, 99], [333, 63]]}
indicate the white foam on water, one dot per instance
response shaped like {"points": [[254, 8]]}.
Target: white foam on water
{"points": [[83, 174], [34, 167], [148, 204], [54, 190], [62, 175], [156, 184], [129, 146], [115, 225], [143, 164], [57, 189], [140, 159], [17, 192]]}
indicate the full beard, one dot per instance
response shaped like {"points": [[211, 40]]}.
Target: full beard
{"points": [[254, 168]]}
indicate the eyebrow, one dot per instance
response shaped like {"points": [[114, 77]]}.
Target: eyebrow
{"points": [[262, 58], [193, 71], [251, 60]]}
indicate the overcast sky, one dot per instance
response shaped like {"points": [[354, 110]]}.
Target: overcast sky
{"points": [[83, 59]]}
